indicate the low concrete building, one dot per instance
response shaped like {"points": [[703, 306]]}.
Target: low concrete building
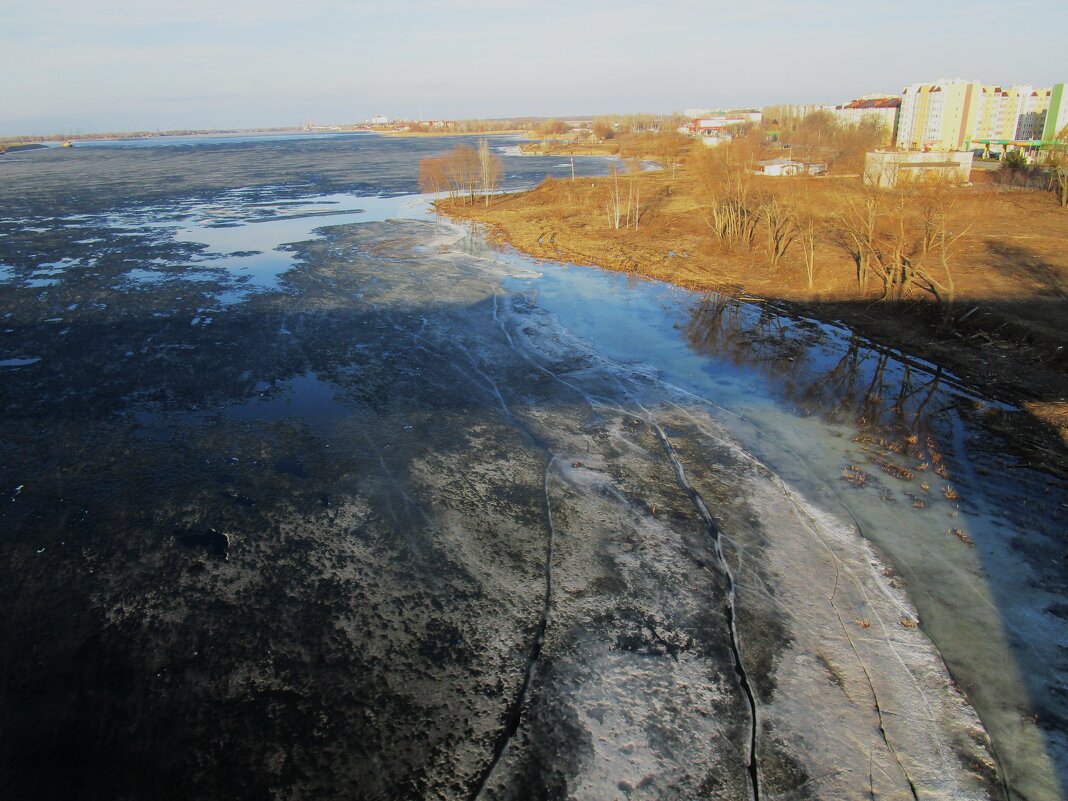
{"points": [[888, 169], [790, 167]]}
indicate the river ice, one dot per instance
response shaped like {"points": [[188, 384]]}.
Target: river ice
{"points": [[403, 516]]}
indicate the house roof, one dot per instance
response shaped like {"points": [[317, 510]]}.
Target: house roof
{"points": [[872, 103]]}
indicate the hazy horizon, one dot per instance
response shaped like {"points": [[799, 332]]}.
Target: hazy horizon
{"points": [[121, 65]]}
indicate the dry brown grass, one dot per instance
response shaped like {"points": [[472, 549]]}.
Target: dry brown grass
{"points": [[1006, 332]]}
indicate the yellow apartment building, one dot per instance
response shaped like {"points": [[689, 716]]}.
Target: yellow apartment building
{"points": [[939, 116]]}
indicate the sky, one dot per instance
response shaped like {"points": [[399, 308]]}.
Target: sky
{"points": [[120, 65]]}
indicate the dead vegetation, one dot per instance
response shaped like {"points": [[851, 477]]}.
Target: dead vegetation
{"points": [[975, 278]]}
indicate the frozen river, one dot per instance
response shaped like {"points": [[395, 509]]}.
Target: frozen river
{"points": [[308, 492]]}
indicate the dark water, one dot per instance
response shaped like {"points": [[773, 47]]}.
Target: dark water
{"points": [[312, 494]]}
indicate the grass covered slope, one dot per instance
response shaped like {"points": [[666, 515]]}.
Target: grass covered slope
{"points": [[1003, 254]]}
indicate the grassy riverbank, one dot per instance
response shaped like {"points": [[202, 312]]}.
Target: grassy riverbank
{"points": [[550, 147], [442, 133], [1006, 330]]}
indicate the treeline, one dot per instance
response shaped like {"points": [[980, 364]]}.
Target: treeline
{"points": [[606, 128], [473, 125], [821, 136], [616, 125], [464, 173]]}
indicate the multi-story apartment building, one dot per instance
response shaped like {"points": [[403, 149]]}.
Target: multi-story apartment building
{"points": [[884, 109], [998, 112], [954, 114], [1014, 114], [938, 116], [1056, 118], [1034, 106]]}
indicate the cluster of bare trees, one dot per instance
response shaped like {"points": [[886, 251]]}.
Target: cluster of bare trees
{"points": [[610, 126], [464, 172], [822, 137], [901, 241], [905, 239], [552, 127], [470, 126], [741, 217], [616, 207]]}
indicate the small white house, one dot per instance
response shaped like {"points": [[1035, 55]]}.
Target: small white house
{"points": [[790, 167]]}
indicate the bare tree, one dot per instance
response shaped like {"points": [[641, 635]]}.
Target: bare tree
{"points": [[943, 228], [456, 172], [856, 232], [1061, 176], [432, 175], [731, 208], [1058, 170], [670, 145], [806, 239], [489, 169], [614, 202], [780, 227], [906, 238]]}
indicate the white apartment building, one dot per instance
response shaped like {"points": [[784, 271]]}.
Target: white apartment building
{"points": [[880, 107]]}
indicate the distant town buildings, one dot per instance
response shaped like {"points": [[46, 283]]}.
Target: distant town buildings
{"points": [[950, 114], [380, 119], [964, 115], [1057, 113], [938, 116]]}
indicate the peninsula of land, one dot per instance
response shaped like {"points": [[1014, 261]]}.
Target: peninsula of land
{"points": [[974, 278]]}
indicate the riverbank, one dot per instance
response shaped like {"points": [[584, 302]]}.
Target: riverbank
{"points": [[16, 148], [1006, 332], [439, 134], [550, 147]]}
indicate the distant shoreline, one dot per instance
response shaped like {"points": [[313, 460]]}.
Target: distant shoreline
{"points": [[11, 141], [434, 134], [20, 147]]}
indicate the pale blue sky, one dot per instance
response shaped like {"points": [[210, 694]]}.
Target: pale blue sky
{"points": [[100, 65]]}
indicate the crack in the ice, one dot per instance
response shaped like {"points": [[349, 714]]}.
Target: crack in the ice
{"points": [[596, 402], [845, 630], [515, 715], [735, 641], [714, 532], [802, 515]]}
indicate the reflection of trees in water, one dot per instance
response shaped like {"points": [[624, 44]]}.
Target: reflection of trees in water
{"points": [[888, 398]]}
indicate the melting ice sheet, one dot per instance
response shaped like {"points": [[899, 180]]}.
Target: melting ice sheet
{"points": [[892, 445], [248, 238]]}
